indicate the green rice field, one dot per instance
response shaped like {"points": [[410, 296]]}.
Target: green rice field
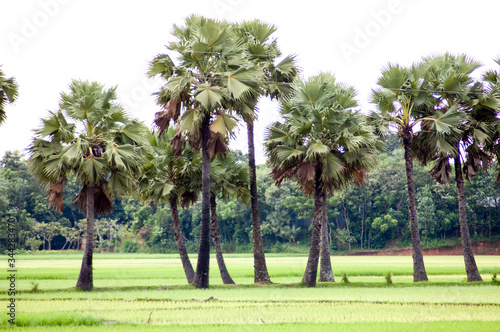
{"points": [[138, 291]]}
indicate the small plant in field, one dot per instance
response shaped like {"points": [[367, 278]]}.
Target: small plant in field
{"points": [[494, 276], [345, 279], [34, 286], [388, 277]]}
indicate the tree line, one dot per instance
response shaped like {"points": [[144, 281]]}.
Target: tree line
{"points": [[372, 216], [323, 143]]}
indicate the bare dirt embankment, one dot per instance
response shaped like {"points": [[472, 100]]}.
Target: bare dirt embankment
{"points": [[481, 248]]}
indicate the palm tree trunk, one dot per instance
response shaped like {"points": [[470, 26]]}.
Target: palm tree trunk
{"points": [[325, 269], [419, 273], [259, 259], [179, 239], [201, 277], [311, 272], [85, 280], [226, 278], [470, 262]]}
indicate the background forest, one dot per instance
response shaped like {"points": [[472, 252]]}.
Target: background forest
{"points": [[372, 216]]}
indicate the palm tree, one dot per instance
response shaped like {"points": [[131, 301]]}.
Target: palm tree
{"points": [[213, 72], [401, 97], [457, 93], [8, 93], [324, 145], [263, 51], [173, 179], [228, 179], [91, 137], [491, 81]]}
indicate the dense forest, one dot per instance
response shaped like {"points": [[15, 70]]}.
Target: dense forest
{"points": [[372, 216]]}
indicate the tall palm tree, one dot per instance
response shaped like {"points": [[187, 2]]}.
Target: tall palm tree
{"points": [[213, 72], [8, 93], [228, 179], [91, 137], [324, 145], [173, 179], [401, 98], [264, 52], [491, 81], [451, 81]]}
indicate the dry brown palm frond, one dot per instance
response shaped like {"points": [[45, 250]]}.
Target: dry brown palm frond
{"points": [[217, 145], [103, 203], [55, 194], [441, 171]]}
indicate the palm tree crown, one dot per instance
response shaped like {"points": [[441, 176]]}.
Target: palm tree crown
{"points": [[8, 93], [322, 131]]}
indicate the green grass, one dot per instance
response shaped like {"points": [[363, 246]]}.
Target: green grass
{"points": [[141, 291], [56, 319], [460, 326]]}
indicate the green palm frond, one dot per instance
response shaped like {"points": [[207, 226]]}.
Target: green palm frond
{"points": [[163, 65], [91, 169], [318, 149], [209, 96], [8, 93], [56, 125], [223, 124], [287, 154]]}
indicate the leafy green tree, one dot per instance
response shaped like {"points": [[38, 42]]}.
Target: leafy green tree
{"points": [[48, 231], [458, 94], [343, 237], [426, 212], [8, 93], [71, 235], [263, 51], [324, 145], [173, 178], [34, 242], [228, 179], [91, 137], [213, 73]]}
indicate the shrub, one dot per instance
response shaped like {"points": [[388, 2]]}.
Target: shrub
{"points": [[34, 286], [130, 246], [345, 279], [388, 277]]}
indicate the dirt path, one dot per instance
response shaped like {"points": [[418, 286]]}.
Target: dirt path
{"points": [[482, 248]]}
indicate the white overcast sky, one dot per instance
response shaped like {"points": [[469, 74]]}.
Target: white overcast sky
{"points": [[45, 44]]}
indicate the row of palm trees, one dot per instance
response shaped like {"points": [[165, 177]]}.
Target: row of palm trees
{"points": [[439, 111], [442, 113]]}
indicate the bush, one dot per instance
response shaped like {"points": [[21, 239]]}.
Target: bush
{"points": [[345, 279], [388, 277], [130, 246], [34, 286]]}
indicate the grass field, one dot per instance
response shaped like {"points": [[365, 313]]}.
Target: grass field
{"points": [[137, 291]]}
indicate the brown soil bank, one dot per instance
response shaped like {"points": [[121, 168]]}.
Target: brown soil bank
{"points": [[480, 248]]}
